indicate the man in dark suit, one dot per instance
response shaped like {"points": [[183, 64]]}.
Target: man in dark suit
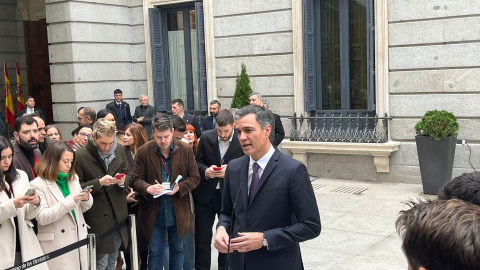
{"points": [[177, 109], [277, 133], [210, 122], [276, 207], [30, 102], [144, 114], [120, 109], [26, 153], [216, 148]]}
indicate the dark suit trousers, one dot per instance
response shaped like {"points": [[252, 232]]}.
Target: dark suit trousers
{"points": [[204, 219]]}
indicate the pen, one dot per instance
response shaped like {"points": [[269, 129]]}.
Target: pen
{"points": [[157, 182]]}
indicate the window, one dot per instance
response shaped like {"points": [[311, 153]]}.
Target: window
{"points": [[178, 56], [339, 56]]}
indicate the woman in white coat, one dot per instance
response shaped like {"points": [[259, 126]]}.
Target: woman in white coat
{"points": [[63, 202], [19, 242]]}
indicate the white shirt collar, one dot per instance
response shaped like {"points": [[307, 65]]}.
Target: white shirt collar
{"points": [[263, 161]]}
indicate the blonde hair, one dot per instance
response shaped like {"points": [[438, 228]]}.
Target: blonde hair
{"points": [[104, 127]]}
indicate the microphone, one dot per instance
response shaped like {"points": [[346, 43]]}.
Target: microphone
{"points": [[232, 222]]}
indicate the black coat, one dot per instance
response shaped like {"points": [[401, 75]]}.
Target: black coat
{"points": [[147, 112], [192, 120], [113, 108], [208, 155], [39, 111]]}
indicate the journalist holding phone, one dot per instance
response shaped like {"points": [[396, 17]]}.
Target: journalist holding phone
{"points": [[19, 243], [63, 202]]}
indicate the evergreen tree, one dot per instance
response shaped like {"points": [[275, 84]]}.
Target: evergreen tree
{"points": [[242, 90]]}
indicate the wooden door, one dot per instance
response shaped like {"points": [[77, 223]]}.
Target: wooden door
{"points": [[38, 66]]}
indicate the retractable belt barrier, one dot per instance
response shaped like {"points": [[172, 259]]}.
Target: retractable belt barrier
{"points": [[66, 249]]}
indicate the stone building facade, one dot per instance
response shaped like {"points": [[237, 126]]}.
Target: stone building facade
{"points": [[424, 57]]}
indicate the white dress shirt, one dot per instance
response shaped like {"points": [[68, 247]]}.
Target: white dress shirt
{"points": [[223, 148], [262, 163]]}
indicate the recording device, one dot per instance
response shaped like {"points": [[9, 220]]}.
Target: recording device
{"points": [[30, 191], [119, 175], [87, 188], [217, 168], [232, 222]]}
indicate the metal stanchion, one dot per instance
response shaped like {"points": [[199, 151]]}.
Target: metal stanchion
{"points": [[92, 252], [133, 243]]}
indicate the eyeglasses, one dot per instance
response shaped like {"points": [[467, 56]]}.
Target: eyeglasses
{"points": [[83, 134]]}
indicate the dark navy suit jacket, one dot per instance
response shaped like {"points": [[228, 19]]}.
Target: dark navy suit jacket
{"points": [[207, 123], [284, 208]]}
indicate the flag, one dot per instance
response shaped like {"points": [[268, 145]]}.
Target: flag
{"points": [[9, 110], [20, 99]]}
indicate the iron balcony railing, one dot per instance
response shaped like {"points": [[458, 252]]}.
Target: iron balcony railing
{"points": [[340, 127]]}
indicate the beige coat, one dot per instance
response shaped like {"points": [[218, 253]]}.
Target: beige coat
{"points": [[28, 240], [56, 225]]}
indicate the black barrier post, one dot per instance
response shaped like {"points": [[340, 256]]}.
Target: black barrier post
{"points": [[92, 252], [133, 243]]}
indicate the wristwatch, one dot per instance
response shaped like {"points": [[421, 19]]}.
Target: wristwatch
{"points": [[265, 242]]}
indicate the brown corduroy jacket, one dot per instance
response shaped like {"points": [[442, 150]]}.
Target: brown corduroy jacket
{"points": [[148, 168]]}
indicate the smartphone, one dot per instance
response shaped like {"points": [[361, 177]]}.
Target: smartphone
{"points": [[120, 175], [87, 188], [30, 191], [217, 168]]}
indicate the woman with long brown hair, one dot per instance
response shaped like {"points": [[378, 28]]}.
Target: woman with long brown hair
{"points": [[63, 202], [19, 242]]}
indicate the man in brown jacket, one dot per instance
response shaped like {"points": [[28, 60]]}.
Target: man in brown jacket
{"points": [[97, 164], [157, 165]]}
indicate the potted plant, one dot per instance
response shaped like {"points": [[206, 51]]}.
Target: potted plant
{"points": [[436, 141], [242, 90]]}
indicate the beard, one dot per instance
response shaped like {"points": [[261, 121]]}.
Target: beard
{"points": [[213, 114], [29, 144]]}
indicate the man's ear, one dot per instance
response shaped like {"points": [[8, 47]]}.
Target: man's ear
{"points": [[15, 134], [268, 130]]}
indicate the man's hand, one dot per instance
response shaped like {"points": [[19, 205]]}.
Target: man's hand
{"points": [[107, 180], [155, 189], [140, 119], [211, 173], [175, 190], [247, 242], [131, 196], [121, 181], [221, 240]]}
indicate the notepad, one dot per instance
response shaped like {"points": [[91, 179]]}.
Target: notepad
{"points": [[165, 191]]}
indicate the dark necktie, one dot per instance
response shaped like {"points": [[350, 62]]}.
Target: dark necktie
{"points": [[255, 180]]}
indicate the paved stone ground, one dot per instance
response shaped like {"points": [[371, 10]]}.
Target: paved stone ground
{"points": [[358, 225]]}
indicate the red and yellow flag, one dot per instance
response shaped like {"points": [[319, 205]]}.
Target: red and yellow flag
{"points": [[20, 99], [9, 110]]}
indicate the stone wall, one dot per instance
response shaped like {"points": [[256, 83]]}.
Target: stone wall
{"points": [[434, 64], [96, 47], [12, 48], [257, 33]]}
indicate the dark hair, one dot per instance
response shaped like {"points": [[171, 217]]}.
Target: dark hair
{"points": [[117, 91], [29, 97], [261, 115], [79, 109], [441, 234], [179, 101], [76, 130], [11, 174], [139, 135], [161, 123], [215, 102], [178, 123], [464, 187], [224, 118], [104, 112], [90, 113], [47, 167], [24, 120], [55, 127]]}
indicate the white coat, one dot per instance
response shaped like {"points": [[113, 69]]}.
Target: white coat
{"points": [[57, 227], [30, 248]]}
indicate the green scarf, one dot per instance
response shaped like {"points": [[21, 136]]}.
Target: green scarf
{"points": [[62, 184]]}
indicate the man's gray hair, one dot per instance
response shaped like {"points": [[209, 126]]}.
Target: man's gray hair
{"points": [[261, 114], [265, 102], [256, 94], [161, 123], [216, 102], [143, 95]]}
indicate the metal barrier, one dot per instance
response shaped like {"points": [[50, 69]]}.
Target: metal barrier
{"points": [[92, 251], [340, 127], [133, 242]]}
